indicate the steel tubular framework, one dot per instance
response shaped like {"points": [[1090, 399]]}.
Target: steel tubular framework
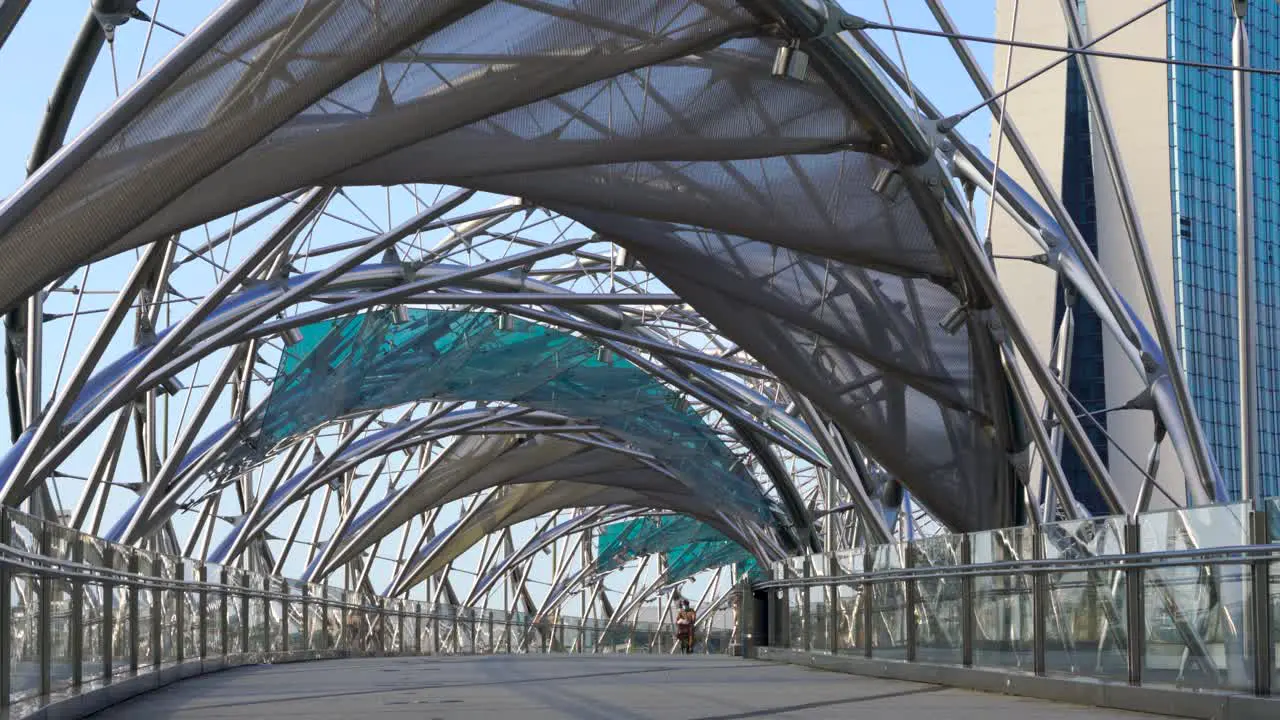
{"points": [[421, 298]]}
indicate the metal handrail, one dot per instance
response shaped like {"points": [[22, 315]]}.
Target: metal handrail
{"points": [[1129, 561], [112, 622]]}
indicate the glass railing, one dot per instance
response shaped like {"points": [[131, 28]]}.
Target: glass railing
{"points": [[1180, 598], [79, 613]]}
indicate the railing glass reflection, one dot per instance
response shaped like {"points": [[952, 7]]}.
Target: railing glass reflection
{"points": [[1182, 598], [79, 612]]}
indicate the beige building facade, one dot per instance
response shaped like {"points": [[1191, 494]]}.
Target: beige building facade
{"points": [[1137, 99]]}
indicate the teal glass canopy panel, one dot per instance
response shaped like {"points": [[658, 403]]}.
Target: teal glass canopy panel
{"points": [[692, 559], [688, 545], [371, 361]]}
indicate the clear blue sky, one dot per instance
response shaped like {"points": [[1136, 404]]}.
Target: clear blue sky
{"points": [[33, 57]]}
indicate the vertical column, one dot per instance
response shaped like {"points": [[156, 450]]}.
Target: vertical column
{"points": [[967, 618], [1039, 607], [1260, 625], [284, 616], [224, 632], [506, 628], [157, 614], [1246, 284], [323, 612], [246, 587], [108, 614], [6, 613], [135, 632], [435, 630], [833, 605], [265, 590], [180, 612], [77, 618], [309, 632], [781, 605], [806, 642], [44, 592], [417, 629], [1135, 615], [911, 601], [868, 602], [202, 627]]}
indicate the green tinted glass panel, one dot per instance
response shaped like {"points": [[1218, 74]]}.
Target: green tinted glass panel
{"points": [[689, 546], [371, 361]]}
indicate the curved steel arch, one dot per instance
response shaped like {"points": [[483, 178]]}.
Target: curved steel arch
{"points": [[108, 390], [670, 209]]}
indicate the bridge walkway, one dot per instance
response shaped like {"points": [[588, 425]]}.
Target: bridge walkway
{"points": [[572, 687]]}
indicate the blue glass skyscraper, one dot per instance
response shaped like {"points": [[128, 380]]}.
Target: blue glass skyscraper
{"points": [[1203, 205], [1199, 248]]}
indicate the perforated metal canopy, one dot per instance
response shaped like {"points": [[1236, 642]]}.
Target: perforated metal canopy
{"points": [[803, 218]]}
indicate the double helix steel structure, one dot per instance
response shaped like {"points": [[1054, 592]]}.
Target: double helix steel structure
{"points": [[467, 325]]}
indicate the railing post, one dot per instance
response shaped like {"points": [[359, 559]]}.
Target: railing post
{"points": [[833, 605], [417, 629], [1260, 606], [435, 630], [284, 616], [180, 611], [246, 587], [202, 627], [1039, 608], [224, 597], [77, 618], [44, 594], [868, 601], [323, 612], [910, 600], [1135, 612], [264, 590], [6, 613], [108, 615], [781, 605], [967, 617], [805, 619], [134, 593], [157, 614], [307, 604]]}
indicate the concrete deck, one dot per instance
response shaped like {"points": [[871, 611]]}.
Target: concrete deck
{"points": [[601, 687]]}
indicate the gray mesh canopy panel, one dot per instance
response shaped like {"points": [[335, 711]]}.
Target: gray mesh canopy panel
{"points": [[658, 124]]}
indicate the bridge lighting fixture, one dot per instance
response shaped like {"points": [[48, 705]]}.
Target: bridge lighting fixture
{"points": [[791, 62], [954, 320], [888, 184]]}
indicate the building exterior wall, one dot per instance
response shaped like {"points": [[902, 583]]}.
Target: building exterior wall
{"points": [[1173, 126], [1086, 380], [1039, 111], [1136, 96], [1202, 154]]}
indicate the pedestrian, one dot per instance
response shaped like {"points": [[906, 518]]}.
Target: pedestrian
{"points": [[685, 620]]}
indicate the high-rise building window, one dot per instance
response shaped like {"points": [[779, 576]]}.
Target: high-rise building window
{"points": [[1202, 152]]}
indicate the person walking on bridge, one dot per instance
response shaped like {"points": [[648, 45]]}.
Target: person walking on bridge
{"points": [[685, 620]]}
